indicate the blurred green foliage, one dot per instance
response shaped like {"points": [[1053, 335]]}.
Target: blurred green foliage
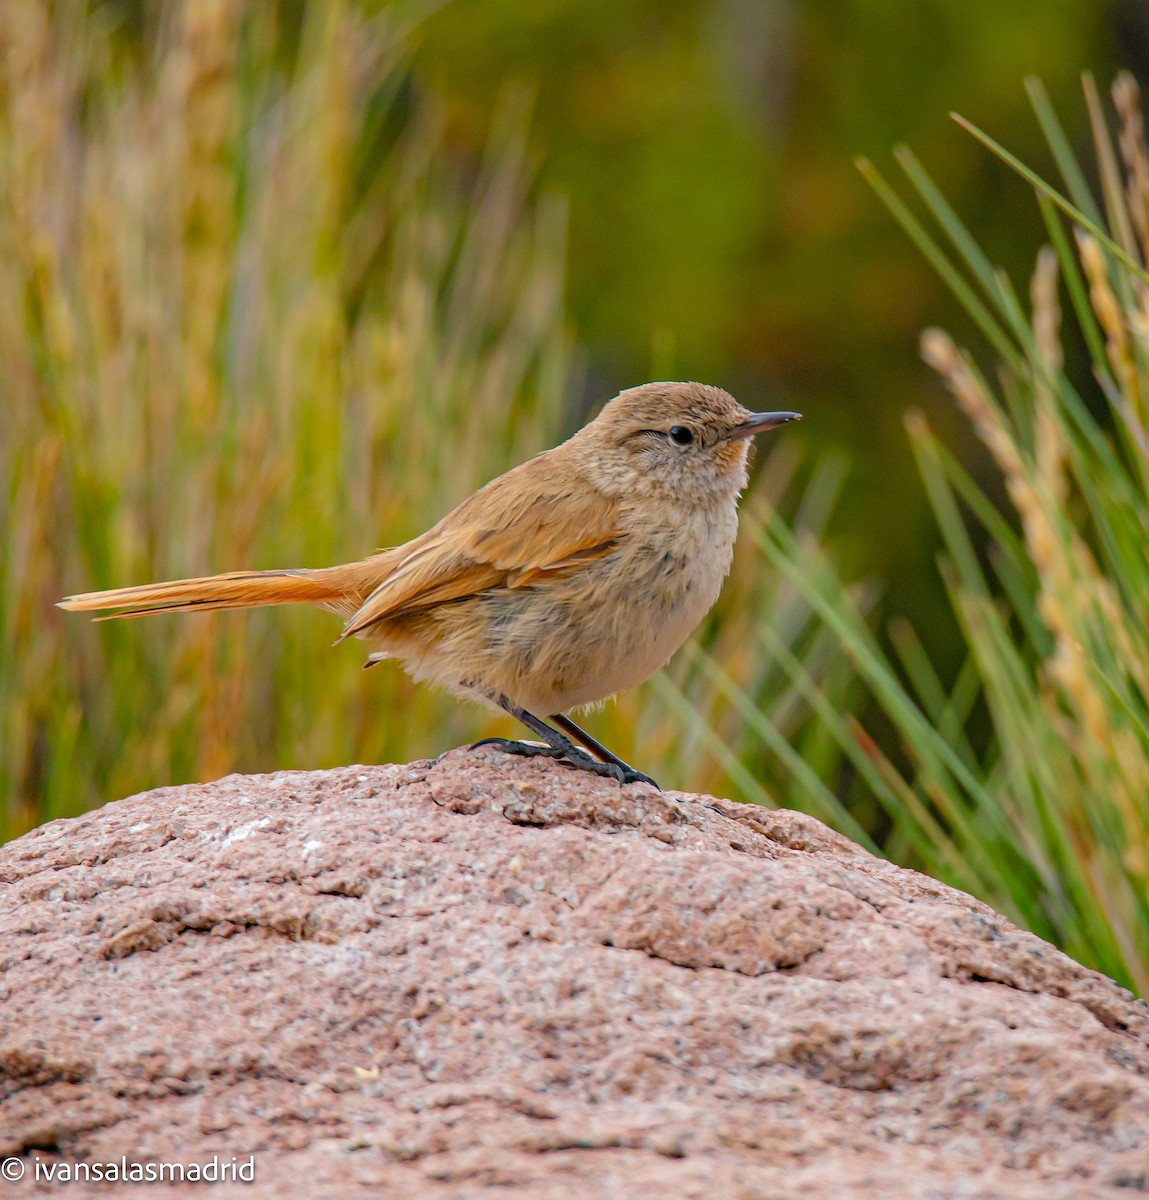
{"points": [[707, 152], [719, 230]]}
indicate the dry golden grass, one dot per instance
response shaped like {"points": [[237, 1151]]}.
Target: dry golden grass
{"points": [[248, 316]]}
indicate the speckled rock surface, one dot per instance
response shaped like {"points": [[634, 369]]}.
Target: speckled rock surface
{"points": [[496, 976]]}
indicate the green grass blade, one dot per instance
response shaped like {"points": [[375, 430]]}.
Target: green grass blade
{"points": [[933, 254], [1063, 155], [1054, 195]]}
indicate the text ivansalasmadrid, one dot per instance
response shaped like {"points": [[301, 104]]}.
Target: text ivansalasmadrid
{"points": [[213, 1170]]}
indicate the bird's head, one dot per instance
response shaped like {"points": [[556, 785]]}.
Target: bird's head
{"points": [[687, 439]]}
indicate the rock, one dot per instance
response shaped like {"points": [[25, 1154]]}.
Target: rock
{"points": [[490, 973]]}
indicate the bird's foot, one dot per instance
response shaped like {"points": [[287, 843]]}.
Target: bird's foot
{"points": [[575, 758], [523, 749], [608, 770]]}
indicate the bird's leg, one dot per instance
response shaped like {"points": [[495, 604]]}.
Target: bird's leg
{"points": [[597, 748], [557, 746]]}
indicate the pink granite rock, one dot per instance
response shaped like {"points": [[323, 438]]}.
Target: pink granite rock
{"points": [[501, 975]]}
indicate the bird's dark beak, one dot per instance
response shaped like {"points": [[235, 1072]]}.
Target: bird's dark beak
{"points": [[760, 422]]}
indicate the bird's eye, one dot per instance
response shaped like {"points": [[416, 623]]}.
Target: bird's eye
{"points": [[680, 435]]}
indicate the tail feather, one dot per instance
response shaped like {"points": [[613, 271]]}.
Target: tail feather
{"points": [[335, 588]]}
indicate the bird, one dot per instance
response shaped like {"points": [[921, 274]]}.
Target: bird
{"points": [[571, 577]]}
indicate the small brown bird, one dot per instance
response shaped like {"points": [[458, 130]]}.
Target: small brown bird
{"points": [[571, 577]]}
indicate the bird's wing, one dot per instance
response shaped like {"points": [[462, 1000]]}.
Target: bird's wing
{"points": [[518, 529]]}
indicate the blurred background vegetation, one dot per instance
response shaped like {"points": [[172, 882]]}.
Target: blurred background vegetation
{"points": [[282, 282]]}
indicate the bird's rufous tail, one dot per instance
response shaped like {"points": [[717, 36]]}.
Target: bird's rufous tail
{"points": [[340, 589]]}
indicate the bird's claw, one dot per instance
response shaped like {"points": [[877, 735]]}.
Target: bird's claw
{"points": [[630, 775]]}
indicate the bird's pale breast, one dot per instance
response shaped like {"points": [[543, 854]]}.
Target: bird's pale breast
{"points": [[571, 641]]}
